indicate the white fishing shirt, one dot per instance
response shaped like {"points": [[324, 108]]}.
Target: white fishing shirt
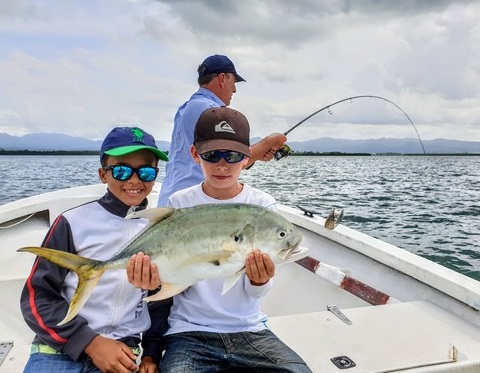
{"points": [[202, 307]]}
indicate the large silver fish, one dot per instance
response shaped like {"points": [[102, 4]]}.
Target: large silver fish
{"points": [[189, 245]]}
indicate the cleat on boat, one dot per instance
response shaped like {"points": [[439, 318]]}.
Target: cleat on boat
{"points": [[309, 213]]}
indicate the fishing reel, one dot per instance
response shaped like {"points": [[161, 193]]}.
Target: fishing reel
{"points": [[283, 152]]}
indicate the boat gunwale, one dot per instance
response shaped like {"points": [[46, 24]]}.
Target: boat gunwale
{"points": [[456, 285], [443, 279]]}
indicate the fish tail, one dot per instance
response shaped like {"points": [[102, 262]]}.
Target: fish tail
{"points": [[88, 271]]}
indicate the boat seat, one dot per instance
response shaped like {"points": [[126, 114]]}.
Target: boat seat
{"points": [[426, 335]]}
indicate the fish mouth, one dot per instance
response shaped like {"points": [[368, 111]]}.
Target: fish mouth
{"points": [[297, 252], [294, 253]]}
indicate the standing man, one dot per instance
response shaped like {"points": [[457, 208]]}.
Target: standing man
{"points": [[216, 77]]}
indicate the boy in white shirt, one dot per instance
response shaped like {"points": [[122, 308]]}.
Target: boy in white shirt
{"points": [[209, 331]]}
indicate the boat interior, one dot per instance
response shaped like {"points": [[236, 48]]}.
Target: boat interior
{"points": [[358, 305]]}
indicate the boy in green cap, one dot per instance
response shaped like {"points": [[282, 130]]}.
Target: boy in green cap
{"points": [[105, 335]]}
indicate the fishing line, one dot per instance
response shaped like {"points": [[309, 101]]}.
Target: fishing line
{"points": [[286, 149]]}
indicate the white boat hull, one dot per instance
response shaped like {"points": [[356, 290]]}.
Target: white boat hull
{"points": [[397, 311]]}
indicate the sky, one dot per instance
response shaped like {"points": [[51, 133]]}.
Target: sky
{"points": [[82, 67]]}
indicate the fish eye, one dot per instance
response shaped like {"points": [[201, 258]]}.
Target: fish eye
{"points": [[281, 233]]}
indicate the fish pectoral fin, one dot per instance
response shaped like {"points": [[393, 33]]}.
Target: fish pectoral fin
{"points": [[167, 291], [230, 281], [154, 214], [215, 258]]}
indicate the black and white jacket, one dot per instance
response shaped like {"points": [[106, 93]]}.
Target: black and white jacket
{"points": [[115, 308]]}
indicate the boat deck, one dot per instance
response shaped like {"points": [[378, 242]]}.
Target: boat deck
{"points": [[414, 334], [418, 336], [387, 338]]}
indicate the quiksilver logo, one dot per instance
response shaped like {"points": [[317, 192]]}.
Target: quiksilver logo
{"points": [[223, 126]]}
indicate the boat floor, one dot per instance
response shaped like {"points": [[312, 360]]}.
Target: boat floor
{"points": [[386, 338], [415, 336]]}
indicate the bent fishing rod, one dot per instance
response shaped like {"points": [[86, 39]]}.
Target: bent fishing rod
{"points": [[279, 154]]}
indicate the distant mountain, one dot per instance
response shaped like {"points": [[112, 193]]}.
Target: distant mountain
{"points": [[386, 145], [55, 141]]}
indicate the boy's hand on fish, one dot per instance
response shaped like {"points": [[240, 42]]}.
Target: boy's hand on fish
{"points": [[259, 268], [142, 273], [111, 356]]}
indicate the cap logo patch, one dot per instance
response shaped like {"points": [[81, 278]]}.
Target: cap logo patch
{"points": [[223, 126], [202, 69], [137, 134]]}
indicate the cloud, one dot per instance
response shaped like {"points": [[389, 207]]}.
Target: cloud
{"points": [[80, 68]]}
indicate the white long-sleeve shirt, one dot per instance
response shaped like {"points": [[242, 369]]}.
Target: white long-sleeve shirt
{"points": [[202, 307]]}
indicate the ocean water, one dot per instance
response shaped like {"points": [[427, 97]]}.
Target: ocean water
{"points": [[428, 205]]}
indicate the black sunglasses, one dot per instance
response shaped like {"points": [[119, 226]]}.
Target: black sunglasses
{"points": [[215, 155], [123, 173]]}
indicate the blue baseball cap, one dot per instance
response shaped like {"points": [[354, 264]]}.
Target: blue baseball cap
{"points": [[218, 64], [126, 140]]}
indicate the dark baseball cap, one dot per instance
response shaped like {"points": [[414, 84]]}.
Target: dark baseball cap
{"points": [[222, 128], [218, 64], [126, 140]]}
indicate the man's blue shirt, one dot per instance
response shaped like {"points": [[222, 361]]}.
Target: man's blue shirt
{"points": [[181, 171]]}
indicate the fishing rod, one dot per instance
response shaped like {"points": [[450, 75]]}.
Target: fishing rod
{"points": [[279, 154]]}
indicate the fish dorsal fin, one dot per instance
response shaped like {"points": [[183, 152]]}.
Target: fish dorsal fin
{"points": [[167, 291], [230, 281], [154, 214]]}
